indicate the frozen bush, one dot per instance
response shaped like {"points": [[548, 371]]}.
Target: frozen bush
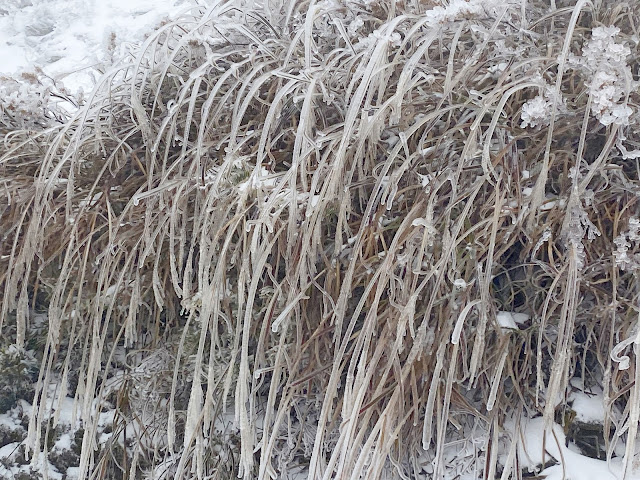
{"points": [[284, 239]]}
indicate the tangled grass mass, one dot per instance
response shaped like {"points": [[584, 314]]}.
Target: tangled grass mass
{"points": [[333, 239]]}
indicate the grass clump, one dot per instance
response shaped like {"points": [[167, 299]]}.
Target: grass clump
{"points": [[309, 218]]}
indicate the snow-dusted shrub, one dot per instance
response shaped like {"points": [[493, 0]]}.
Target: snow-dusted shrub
{"points": [[288, 238]]}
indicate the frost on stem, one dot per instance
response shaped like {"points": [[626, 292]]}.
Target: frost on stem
{"points": [[625, 241], [537, 111], [578, 228], [609, 78]]}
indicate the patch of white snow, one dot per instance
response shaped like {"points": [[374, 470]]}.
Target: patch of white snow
{"points": [[511, 319], [71, 39]]}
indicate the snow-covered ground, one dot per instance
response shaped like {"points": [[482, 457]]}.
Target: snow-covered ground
{"points": [[71, 39]]}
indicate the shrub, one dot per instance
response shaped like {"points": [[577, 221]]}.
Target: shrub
{"points": [[320, 210]]}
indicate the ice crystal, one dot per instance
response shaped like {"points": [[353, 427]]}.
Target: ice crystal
{"points": [[455, 9], [604, 62], [602, 49], [535, 112], [29, 100], [355, 26], [629, 240], [606, 91]]}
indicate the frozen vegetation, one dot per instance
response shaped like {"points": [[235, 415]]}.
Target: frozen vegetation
{"points": [[319, 239]]}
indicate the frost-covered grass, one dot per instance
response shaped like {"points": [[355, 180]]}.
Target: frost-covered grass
{"points": [[385, 237]]}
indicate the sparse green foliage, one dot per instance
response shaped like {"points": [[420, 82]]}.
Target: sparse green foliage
{"points": [[16, 378]]}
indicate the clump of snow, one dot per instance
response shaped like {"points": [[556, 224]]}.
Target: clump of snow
{"points": [[9, 451], [538, 446], [511, 319], [12, 419], [64, 442], [73, 473], [459, 283], [580, 467], [589, 407]]}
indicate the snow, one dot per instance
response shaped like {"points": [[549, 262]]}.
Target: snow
{"points": [[511, 319], [71, 39], [571, 465], [9, 450], [579, 467], [73, 473], [538, 446], [8, 421], [66, 406], [589, 408], [64, 442], [8, 454]]}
